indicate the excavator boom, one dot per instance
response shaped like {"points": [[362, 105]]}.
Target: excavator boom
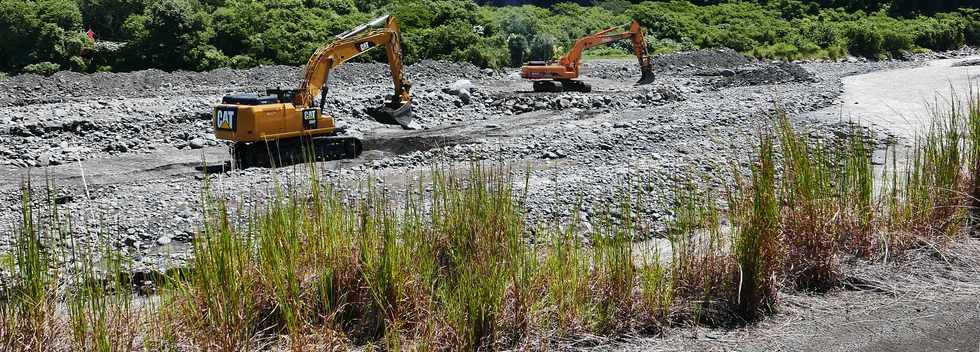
{"points": [[566, 69], [352, 44]]}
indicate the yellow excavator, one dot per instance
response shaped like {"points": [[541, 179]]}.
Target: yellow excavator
{"points": [[285, 126], [561, 76]]}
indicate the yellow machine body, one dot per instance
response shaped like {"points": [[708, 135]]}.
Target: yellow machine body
{"points": [[265, 122], [291, 117]]}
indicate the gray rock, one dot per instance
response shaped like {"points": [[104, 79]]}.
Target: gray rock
{"points": [[458, 86], [461, 88], [45, 159], [197, 143], [564, 103]]}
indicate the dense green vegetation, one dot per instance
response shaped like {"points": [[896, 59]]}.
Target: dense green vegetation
{"points": [[43, 36]]}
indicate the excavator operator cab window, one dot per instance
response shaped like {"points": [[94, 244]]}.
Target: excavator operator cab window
{"points": [[283, 95]]}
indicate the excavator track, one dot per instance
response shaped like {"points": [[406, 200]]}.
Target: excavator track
{"points": [[293, 151], [565, 85]]}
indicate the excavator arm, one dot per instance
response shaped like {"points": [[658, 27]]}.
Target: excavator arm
{"points": [[574, 56], [382, 31]]}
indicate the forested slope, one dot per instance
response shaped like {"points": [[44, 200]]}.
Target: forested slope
{"points": [[43, 36]]}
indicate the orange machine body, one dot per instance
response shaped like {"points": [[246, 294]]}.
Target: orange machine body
{"points": [[567, 67]]}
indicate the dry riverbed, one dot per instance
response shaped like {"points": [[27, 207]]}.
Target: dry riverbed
{"points": [[126, 155]]}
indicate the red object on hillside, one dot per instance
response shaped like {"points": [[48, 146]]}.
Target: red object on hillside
{"points": [[90, 34]]}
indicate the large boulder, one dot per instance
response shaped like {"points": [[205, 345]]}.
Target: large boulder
{"points": [[461, 88]]}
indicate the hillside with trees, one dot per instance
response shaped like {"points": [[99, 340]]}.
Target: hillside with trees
{"points": [[44, 36]]}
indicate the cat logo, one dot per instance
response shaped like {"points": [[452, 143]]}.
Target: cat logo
{"points": [[224, 119], [309, 119], [309, 114]]}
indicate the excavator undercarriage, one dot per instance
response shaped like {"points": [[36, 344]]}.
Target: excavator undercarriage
{"points": [[297, 150], [562, 85]]}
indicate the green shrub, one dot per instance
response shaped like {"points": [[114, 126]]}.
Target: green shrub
{"points": [[42, 68], [893, 41], [972, 32], [784, 51], [715, 38], [62, 13], [616, 6], [235, 24], [517, 48], [241, 61], [34, 32], [167, 36], [865, 40], [542, 48], [821, 33], [207, 58], [482, 55], [939, 35]]}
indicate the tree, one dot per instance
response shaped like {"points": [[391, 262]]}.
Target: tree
{"points": [[106, 17], [18, 23], [169, 35], [543, 48], [236, 23], [32, 32], [517, 47]]}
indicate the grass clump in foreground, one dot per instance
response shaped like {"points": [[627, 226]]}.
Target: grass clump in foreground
{"points": [[452, 265]]}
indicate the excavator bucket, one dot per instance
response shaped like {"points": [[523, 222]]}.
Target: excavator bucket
{"points": [[646, 76], [394, 114]]}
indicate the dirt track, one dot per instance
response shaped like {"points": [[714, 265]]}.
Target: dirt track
{"points": [[127, 153]]}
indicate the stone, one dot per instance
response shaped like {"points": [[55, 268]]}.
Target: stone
{"points": [[197, 143], [564, 103]]}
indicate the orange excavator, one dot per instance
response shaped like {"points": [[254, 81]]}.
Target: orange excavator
{"points": [[561, 75], [286, 126]]}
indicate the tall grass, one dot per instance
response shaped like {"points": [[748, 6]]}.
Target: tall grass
{"points": [[28, 295], [103, 314], [700, 268], [452, 263], [757, 251]]}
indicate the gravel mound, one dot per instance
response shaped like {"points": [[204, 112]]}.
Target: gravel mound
{"points": [[643, 97], [674, 63], [776, 73], [972, 62], [700, 59], [68, 86]]}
